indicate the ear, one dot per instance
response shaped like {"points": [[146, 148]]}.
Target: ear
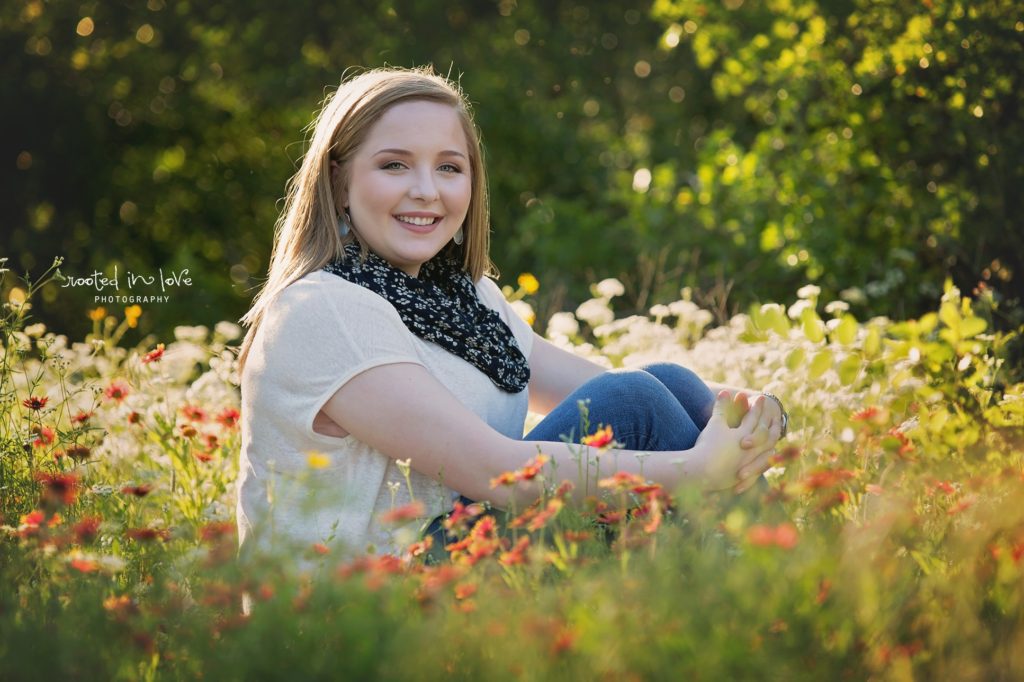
{"points": [[338, 186]]}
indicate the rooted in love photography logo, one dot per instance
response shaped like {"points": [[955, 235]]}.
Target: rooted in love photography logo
{"points": [[145, 287]]}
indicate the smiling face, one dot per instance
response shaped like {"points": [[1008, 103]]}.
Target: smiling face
{"points": [[409, 183]]}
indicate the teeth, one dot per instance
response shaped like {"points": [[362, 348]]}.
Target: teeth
{"points": [[415, 220]]}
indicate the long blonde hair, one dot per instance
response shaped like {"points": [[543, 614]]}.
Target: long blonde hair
{"points": [[306, 235]]}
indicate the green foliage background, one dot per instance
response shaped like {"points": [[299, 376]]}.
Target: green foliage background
{"points": [[740, 148]]}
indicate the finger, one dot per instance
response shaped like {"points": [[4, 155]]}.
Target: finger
{"points": [[757, 439], [753, 416], [742, 402], [757, 466]]}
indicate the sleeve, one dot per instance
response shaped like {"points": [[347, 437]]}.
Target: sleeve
{"points": [[318, 334], [492, 297]]}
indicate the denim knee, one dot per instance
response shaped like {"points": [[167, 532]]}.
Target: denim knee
{"points": [[669, 373], [688, 388]]}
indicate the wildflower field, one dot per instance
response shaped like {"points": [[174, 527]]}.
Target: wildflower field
{"points": [[887, 542]]}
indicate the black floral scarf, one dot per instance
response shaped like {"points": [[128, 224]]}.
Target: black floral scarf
{"points": [[442, 306]]}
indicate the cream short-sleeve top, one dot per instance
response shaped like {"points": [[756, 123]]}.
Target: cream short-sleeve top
{"points": [[318, 333]]}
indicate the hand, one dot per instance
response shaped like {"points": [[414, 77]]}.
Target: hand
{"points": [[739, 405], [734, 457]]}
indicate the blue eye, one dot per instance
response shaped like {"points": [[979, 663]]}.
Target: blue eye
{"points": [[393, 165], [450, 168]]}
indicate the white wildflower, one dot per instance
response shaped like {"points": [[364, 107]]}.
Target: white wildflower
{"points": [[808, 291], [563, 324], [595, 312], [35, 330], [609, 288], [836, 307], [194, 334], [229, 331], [660, 311], [524, 310], [798, 308]]}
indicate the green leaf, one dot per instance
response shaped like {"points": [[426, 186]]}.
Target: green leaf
{"points": [[849, 369], [873, 343], [795, 359], [846, 332], [814, 329], [972, 326], [820, 364]]}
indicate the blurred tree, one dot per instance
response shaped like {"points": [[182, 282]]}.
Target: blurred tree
{"points": [[751, 145]]}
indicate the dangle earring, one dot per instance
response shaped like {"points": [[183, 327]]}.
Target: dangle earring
{"points": [[343, 224], [459, 237]]}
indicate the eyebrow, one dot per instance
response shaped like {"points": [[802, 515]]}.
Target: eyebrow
{"points": [[406, 152]]}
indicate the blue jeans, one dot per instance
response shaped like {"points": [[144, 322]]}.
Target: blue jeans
{"points": [[658, 407]]}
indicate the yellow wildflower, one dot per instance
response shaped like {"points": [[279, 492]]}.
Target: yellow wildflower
{"points": [[528, 283], [318, 460], [97, 314], [132, 314]]}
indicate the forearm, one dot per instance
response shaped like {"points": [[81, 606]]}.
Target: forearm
{"points": [[584, 466]]}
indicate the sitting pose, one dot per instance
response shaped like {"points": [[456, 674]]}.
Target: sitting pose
{"points": [[380, 349]]}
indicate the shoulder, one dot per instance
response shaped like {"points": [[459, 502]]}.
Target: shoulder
{"points": [[321, 294], [489, 292]]}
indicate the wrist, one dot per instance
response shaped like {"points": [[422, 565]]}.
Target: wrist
{"points": [[782, 409]]}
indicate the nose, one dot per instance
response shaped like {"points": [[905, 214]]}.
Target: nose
{"points": [[423, 187]]}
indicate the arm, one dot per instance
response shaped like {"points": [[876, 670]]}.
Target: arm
{"points": [[555, 373], [403, 411]]}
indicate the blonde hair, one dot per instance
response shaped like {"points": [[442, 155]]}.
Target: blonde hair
{"points": [[306, 235]]}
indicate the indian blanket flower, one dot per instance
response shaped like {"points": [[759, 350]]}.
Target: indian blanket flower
{"points": [[602, 438], [505, 478], [826, 478], [872, 414], [550, 511], [78, 452], [517, 555], [86, 529], [215, 531], [58, 488], [193, 413], [228, 417], [153, 355], [117, 391], [407, 512], [460, 515], [140, 490], [622, 481], [82, 417], [418, 549], [525, 517], [533, 467], [82, 563], [784, 536], [147, 534], [481, 542], [44, 436], [465, 590], [899, 442], [35, 403]]}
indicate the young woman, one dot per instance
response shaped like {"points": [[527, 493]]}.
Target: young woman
{"points": [[380, 344]]}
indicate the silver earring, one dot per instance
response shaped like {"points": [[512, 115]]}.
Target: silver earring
{"points": [[459, 237], [343, 228]]}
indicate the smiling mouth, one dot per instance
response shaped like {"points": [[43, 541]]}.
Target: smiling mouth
{"points": [[419, 221]]}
